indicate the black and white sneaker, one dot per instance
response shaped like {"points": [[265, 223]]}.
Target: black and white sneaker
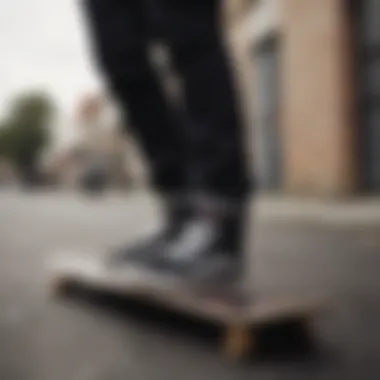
{"points": [[147, 250], [207, 251]]}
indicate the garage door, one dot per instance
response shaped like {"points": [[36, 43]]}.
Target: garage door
{"points": [[367, 21], [268, 146]]}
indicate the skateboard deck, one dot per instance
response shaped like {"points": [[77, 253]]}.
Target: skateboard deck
{"points": [[239, 316]]}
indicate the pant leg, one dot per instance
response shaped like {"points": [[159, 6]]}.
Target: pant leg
{"points": [[120, 39], [217, 161]]}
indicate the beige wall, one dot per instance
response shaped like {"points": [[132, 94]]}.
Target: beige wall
{"points": [[316, 101], [316, 105]]}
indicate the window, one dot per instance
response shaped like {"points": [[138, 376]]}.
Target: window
{"points": [[269, 160]]}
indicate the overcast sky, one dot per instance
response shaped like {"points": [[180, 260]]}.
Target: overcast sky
{"points": [[43, 45]]}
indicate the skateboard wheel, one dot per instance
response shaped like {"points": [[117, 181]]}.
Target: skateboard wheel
{"points": [[238, 342]]}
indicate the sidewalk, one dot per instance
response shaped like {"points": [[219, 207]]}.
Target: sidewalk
{"points": [[350, 212], [354, 211], [347, 212]]}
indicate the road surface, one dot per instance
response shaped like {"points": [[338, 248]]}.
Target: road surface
{"points": [[45, 339]]}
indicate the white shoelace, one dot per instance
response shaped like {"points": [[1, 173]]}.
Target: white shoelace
{"points": [[190, 243]]}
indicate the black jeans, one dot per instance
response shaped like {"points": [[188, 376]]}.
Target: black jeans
{"points": [[202, 151]]}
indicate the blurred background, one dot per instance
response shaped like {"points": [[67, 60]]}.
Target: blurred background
{"points": [[308, 73]]}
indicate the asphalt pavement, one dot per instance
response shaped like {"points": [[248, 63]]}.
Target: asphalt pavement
{"points": [[42, 338]]}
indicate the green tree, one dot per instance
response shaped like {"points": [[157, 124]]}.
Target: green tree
{"points": [[26, 132]]}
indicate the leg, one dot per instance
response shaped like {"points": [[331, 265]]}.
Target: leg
{"points": [[120, 40], [216, 162], [215, 133]]}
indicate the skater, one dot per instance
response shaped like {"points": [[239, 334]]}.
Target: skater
{"points": [[197, 162]]}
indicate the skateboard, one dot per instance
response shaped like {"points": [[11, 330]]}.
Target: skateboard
{"points": [[239, 317]]}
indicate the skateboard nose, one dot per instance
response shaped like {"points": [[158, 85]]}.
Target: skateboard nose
{"points": [[72, 264]]}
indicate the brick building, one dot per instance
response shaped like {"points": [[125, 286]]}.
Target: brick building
{"points": [[310, 80]]}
